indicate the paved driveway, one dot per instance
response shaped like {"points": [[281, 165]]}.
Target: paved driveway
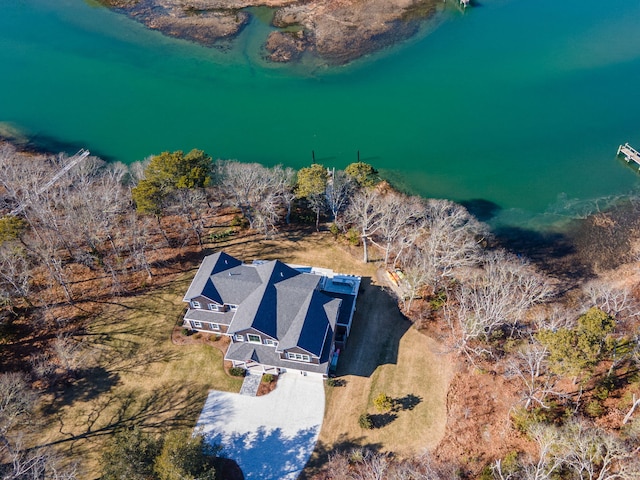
{"points": [[269, 437]]}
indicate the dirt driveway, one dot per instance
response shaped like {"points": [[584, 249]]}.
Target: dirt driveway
{"points": [[269, 437]]}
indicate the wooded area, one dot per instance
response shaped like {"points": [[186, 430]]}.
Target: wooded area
{"points": [[104, 230]]}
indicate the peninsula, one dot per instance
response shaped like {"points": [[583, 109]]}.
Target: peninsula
{"points": [[337, 31]]}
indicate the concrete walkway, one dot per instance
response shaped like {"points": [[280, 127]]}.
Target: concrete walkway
{"points": [[269, 437], [250, 384]]}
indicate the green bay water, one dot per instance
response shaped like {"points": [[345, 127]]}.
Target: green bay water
{"points": [[521, 103]]}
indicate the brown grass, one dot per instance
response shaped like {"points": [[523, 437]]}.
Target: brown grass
{"points": [[386, 354], [139, 376]]}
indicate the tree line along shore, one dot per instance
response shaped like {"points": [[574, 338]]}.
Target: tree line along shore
{"points": [[559, 356]]}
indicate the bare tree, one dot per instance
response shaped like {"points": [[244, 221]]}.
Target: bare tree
{"points": [[617, 302], [16, 401], [15, 273], [594, 454], [256, 190], [399, 215], [448, 237], [285, 184], [365, 212], [339, 188], [529, 366], [496, 296], [549, 460]]}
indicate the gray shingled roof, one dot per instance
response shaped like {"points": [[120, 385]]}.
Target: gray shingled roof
{"points": [[266, 355], [272, 298], [211, 264], [222, 318]]}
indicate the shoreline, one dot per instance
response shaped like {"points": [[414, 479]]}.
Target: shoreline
{"points": [[334, 31], [581, 249]]}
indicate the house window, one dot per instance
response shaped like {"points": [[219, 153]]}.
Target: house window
{"points": [[197, 324], [233, 307], [214, 326], [195, 304], [268, 341], [239, 338], [298, 356], [254, 338], [213, 306]]}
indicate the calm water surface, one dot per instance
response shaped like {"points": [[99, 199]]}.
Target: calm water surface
{"points": [[518, 102]]}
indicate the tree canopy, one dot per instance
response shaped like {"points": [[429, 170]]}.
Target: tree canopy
{"points": [[363, 174], [312, 185], [168, 172], [575, 351]]}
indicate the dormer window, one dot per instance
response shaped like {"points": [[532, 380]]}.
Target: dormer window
{"points": [[298, 357], [268, 341], [195, 304], [238, 338], [254, 338]]}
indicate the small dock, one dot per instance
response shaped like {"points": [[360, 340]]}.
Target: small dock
{"points": [[461, 4], [630, 153]]}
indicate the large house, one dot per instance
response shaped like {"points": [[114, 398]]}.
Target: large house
{"points": [[280, 317]]}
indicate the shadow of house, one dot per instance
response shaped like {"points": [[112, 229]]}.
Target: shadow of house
{"points": [[378, 326]]}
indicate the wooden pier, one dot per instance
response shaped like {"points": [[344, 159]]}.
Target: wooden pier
{"points": [[630, 153], [461, 4]]}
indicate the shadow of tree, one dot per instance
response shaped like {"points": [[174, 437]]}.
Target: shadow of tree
{"points": [[91, 383], [338, 382], [380, 420], [322, 452], [228, 469], [268, 453], [408, 402], [172, 406], [484, 210], [553, 252]]}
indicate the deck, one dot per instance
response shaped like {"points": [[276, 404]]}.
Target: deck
{"points": [[630, 153]]}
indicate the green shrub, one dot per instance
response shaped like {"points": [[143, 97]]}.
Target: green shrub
{"points": [[594, 409], [522, 418], [353, 236], [267, 378], [605, 387], [335, 230], [438, 300], [332, 382], [365, 421], [239, 221], [185, 332], [383, 402], [357, 455], [237, 371], [486, 473], [220, 236], [198, 336]]}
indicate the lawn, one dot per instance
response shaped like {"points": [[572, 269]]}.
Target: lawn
{"points": [[385, 354], [136, 376]]}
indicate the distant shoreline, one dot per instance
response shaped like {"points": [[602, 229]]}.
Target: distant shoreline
{"points": [[336, 31]]}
